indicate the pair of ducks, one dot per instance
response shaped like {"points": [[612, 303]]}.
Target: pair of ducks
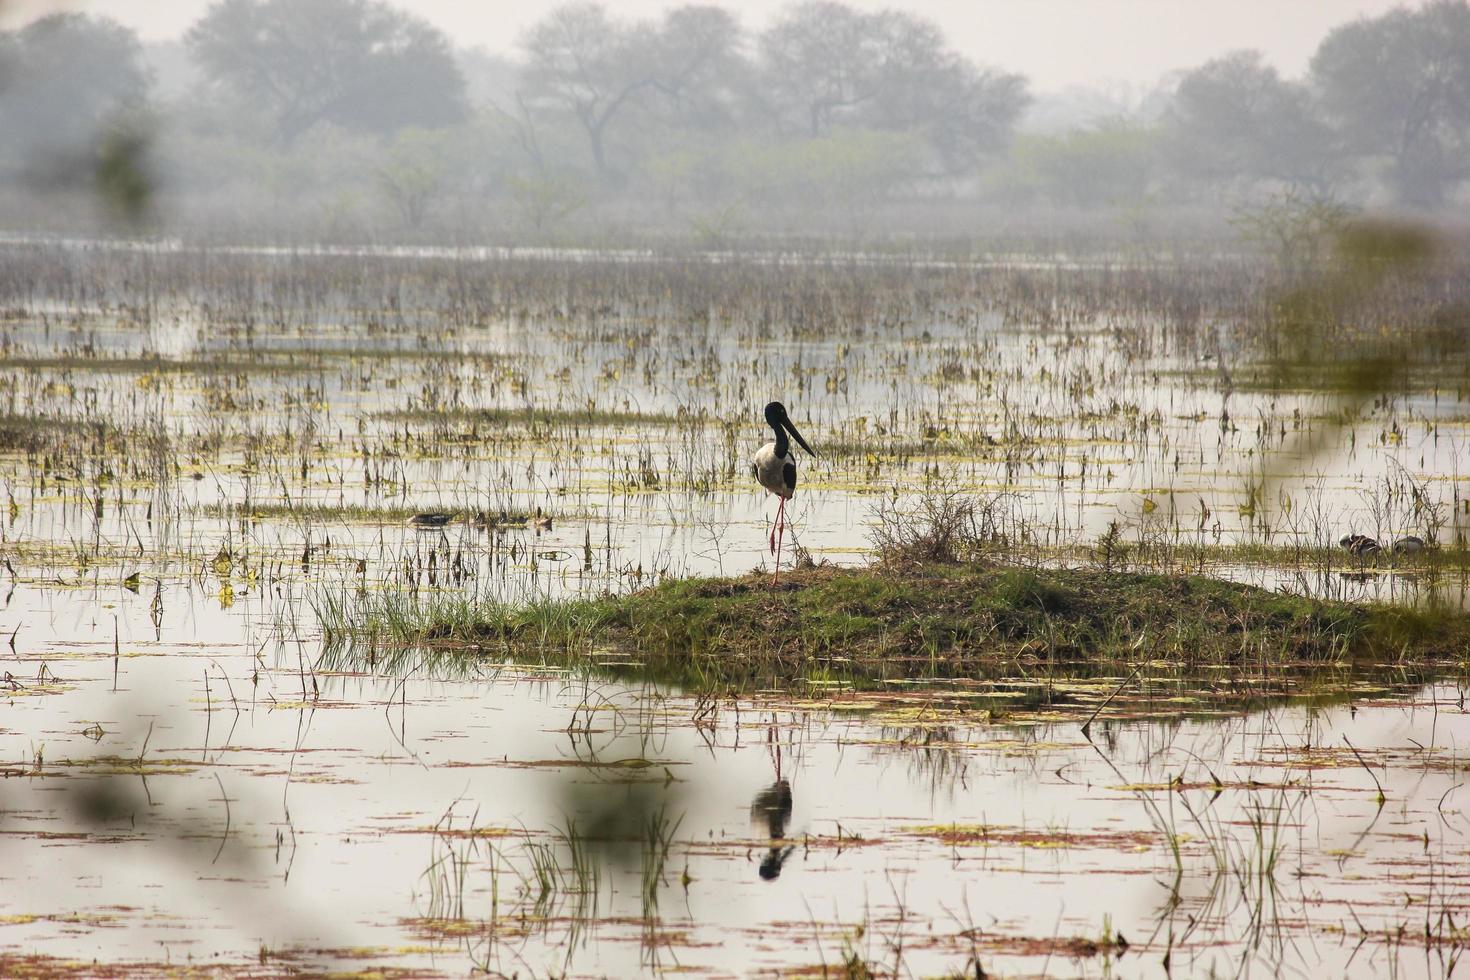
{"points": [[1362, 546], [483, 520]]}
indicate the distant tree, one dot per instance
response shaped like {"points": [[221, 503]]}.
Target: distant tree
{"points": [[360, 64], [412, 176], [847, 170], [819, 65], [911, 67], [700, 74], [972, 114], [1073, 107], [1295, 230], [920, 83], [1234, 117], [1107, 164], [63, 80], [826, 65], [580, 60], [545, 201], [1398, 86]]}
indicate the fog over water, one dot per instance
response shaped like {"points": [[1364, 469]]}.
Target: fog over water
{"points": [[392, 575], [1056, 42], [1040, 124]]}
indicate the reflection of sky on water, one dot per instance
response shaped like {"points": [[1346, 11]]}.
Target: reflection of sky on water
{"points": [[342, 782]]}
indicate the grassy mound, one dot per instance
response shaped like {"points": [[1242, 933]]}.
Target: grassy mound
{"points": [[934, 622]]}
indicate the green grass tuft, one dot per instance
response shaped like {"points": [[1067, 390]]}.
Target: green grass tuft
{"points": [[942, 623]]}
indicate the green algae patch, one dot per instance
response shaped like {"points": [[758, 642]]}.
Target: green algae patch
{"points": [[983, 835]]}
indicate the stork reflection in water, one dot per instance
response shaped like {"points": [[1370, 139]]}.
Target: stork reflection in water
{"points": [[771, 811]]}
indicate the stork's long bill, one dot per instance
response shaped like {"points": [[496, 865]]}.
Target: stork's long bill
{"points": [[778, 420]]}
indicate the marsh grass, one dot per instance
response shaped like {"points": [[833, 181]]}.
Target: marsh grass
{"points": [[933, 622], [315, 513], [944, 603], [271, 362], [325, 513], [533, 417], [949, 526], [29, 432]]}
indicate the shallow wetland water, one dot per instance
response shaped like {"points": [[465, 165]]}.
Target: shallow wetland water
{"points": [[158, 816], [188, 781]]}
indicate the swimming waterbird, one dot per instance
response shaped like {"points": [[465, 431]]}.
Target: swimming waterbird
{"points": [[774, 467]]}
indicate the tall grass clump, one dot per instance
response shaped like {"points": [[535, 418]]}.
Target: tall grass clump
{"points": [[394, 630], [947, 526]]}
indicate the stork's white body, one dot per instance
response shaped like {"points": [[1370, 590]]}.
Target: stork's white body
{"points": [[774, 467], [776, 473]]}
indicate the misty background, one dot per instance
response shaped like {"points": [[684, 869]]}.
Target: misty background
{"points": [[360, 120]]}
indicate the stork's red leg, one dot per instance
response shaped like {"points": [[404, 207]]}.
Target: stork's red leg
{"points": [[780, 537]]}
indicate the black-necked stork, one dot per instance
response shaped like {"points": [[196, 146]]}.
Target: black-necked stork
{"points": [[774, 467]]}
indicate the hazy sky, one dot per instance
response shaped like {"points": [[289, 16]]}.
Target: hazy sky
{"points": [[1055, 42]]}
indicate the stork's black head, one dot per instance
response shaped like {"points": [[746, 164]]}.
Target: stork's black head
{"points": [[777, 419]]}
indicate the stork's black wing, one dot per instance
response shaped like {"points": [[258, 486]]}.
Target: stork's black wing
{"points": [[788, 476]]}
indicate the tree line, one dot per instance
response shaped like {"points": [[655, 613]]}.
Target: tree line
{"points": [[357, 107]]}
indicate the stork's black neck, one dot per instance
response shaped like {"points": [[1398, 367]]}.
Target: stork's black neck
{"points": [[783, 444], [776, 419]]}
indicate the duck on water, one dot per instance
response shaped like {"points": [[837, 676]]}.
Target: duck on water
{"points": [[1362, 546]]}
